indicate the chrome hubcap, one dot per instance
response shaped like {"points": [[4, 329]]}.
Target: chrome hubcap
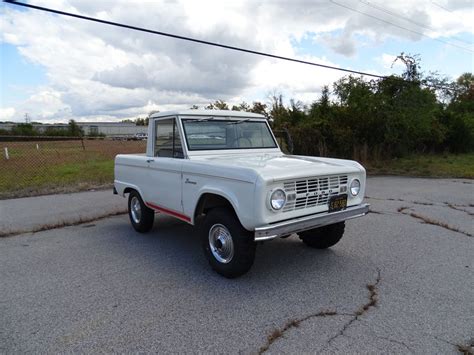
{"points": [[136, 209], [221, 243]]}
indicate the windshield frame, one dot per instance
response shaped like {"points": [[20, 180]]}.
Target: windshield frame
{"points": [[231, 119]]}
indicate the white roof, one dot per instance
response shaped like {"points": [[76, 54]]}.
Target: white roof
{"points": [[223, 113]]}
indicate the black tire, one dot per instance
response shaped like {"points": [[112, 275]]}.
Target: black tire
{"points": [[219, 222], [143, 221], [323, 237]]}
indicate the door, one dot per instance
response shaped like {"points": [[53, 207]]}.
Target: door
{"points": [[165, 169]]}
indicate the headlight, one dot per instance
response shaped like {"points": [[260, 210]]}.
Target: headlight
{"points": [[278, 199], [355, 187]]}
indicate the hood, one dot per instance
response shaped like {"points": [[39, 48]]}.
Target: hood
{"points": [[273, 167]]}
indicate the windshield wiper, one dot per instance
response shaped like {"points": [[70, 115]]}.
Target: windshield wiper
{"points": [[240, 121], [205, 119]]}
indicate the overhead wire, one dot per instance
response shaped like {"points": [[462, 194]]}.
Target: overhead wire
{"points": [[398, 26], [209, 43], [394, 14], [440, 6]]}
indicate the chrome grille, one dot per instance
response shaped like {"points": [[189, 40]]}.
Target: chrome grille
{"points": [[313, 191]]}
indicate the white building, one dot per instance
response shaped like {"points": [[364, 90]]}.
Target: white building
{"points": [[115, 129]]}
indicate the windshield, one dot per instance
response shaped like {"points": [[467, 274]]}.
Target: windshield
{"points": [[214, 134]]}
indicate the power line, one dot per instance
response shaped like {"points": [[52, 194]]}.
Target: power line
{"points": [[401, 27], [185, 38], [214, 44], [441, 7], [392, 13]]}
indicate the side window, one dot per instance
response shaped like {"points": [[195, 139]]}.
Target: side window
{"points": [[167, 140], [177, 147]]}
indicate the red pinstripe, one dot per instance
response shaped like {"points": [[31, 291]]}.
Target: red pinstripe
{"points": [[170, 212]]}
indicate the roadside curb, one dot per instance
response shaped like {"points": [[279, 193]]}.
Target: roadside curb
{"points": [[62, 224]]}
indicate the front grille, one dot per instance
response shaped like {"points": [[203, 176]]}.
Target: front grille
{"points": [[313, 191]]}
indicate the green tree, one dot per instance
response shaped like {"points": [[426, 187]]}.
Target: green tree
{"points": [[458, 118], [74, 129], [24, 129], [278, 111], [217, 105], [260, 108], [243, 106], [55, 132]]}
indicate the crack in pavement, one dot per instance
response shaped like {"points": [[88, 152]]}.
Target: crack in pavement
{"points": [[373, 299], [372, 211], [400, 200], [434, 222], [459, 208], [376, 212], [295, 323], [463, 349], [390, 340], [453, 206], [466, 349], [431, 221], [61, 224], [462, 182]]}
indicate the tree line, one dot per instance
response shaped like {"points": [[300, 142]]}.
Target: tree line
{"points": [[378, 119]]}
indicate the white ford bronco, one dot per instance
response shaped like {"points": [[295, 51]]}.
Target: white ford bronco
{"points": [[224, 171]]}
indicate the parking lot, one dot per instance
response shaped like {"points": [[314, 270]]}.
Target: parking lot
{"points": [[401, 280]]}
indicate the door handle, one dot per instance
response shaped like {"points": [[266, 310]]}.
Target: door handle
{"points": [[150, 160]]}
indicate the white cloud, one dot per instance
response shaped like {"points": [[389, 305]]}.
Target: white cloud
{"points": [[101, 72], [6, 113], [46, 104], [389, 63]]}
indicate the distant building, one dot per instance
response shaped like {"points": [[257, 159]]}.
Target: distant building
{"points": [[109, 129]]}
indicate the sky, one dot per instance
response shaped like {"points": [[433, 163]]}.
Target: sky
{"points": [[56, 68]]}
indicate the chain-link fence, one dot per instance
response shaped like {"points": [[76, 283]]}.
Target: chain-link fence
{"points": [[36, 165]]}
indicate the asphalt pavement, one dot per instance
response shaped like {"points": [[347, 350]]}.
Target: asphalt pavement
{"points": [[34, 213], [400, 281]]}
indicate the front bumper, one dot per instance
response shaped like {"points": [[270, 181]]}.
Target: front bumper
{"points": [[308, 222]]}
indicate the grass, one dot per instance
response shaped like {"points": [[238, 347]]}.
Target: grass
{"points": [[60, 166], [443, 165], [75, 175]]}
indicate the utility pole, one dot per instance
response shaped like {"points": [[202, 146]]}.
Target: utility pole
{"points": [[27, 118]]}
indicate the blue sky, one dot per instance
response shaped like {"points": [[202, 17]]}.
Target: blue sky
{"points": [[20, 77], [55, 69]]}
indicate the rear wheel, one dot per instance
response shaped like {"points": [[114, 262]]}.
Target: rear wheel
{"points": [[323, 237], [140, 215], [228, 246]]}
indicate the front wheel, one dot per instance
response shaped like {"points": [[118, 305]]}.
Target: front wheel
{"points": [[140, 215], [323, 237], [228, 246]]}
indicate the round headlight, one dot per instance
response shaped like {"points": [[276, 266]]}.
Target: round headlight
{"points": [[355, 187], [278, 199]]}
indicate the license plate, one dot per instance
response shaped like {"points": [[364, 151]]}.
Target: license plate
{"points": [[337, 203]]}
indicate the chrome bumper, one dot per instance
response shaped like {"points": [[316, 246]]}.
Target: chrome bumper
{"points": [[308, 222]]}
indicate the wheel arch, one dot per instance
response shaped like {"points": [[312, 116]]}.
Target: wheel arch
{"points": [[209, 200], [129, 188]]}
